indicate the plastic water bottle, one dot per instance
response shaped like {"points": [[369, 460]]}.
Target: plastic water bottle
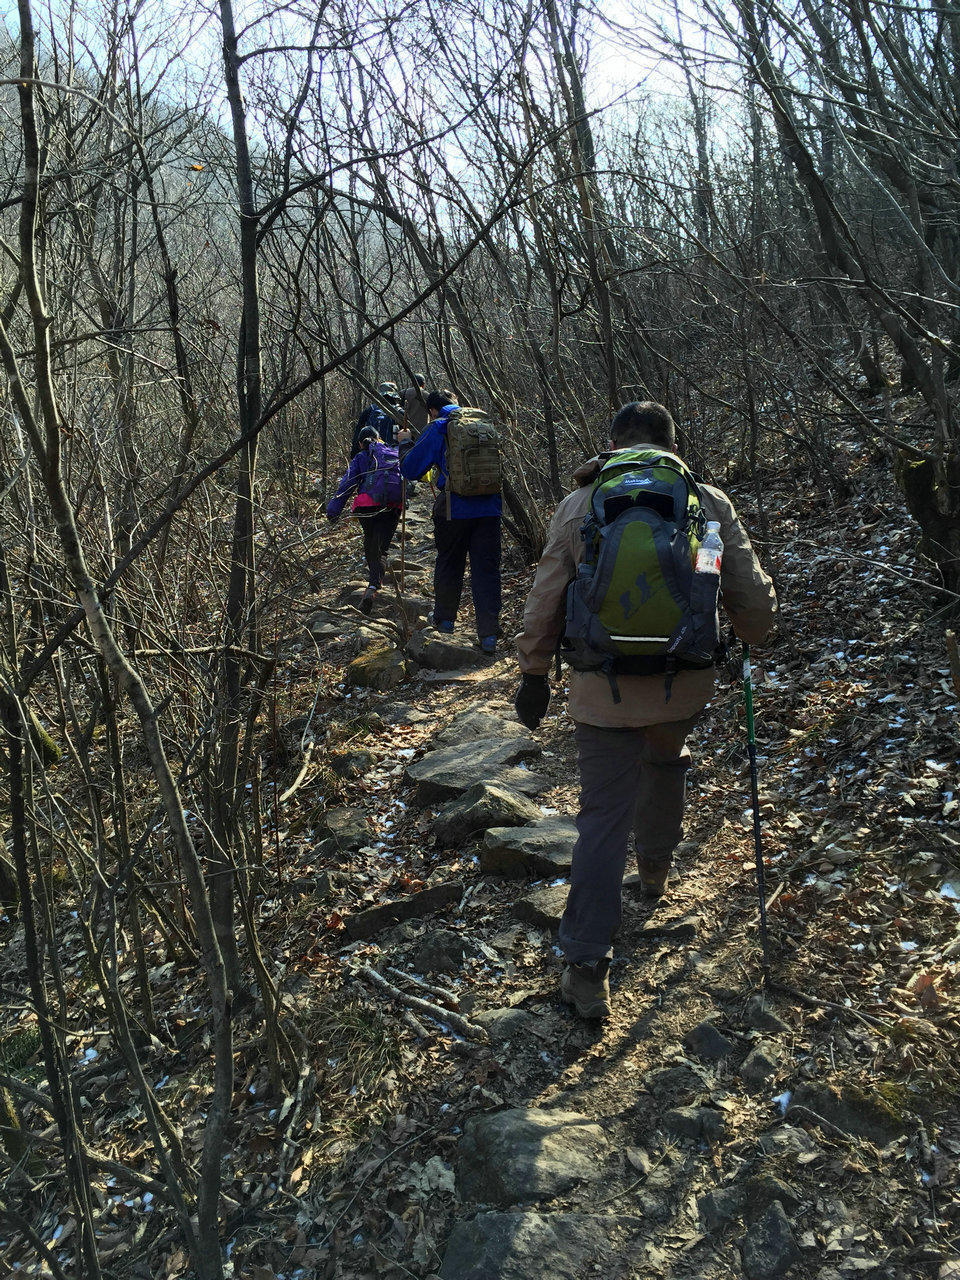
{"points": [[710, 550]]}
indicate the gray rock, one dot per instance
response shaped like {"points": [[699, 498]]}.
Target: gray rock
{"points": [[382, 667], [694, 1122], [705, 1041], [504, 1024], [476, 722], [343, 831], [855, 1110], [486, 804], [761, 1017], [447, 772], [436, 652], [720, 1207], [673, 1079], [760, 1064], [364, 924], [324, 627], [530, 1246], [762, 1189], [543, 849], [523, 780], [769, 1248], [404, 713], [440, 951], [787, 1140], [544, 906], [350, 764], [683, 929], [524, 1154]]}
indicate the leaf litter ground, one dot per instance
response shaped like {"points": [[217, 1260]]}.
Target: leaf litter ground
{"points": [[353, 1175]]}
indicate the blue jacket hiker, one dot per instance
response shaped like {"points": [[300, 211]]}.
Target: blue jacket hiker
{"points": [[373, 478], [471, 531]]}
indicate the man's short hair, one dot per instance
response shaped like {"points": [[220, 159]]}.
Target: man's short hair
{"points": [[438, 400], [644, 422], [419, 380]]}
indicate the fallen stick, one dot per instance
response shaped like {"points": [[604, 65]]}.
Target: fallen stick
{"points": [[443, 1016], [441, 993], [297, 782]]}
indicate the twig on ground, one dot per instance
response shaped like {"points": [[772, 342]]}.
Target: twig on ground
{"points": [[441, 993], [446, 1017]]}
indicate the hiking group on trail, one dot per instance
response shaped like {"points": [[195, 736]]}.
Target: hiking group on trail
{"points": [[637, 561]]}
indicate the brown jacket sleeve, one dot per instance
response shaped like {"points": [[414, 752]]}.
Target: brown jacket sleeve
{"points": [[545, 610], [748, 595]]}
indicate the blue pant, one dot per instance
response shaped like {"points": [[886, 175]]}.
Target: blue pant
{"points": [[479, 538]]}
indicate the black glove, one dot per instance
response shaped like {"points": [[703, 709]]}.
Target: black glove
{"points": [[532, 700]]}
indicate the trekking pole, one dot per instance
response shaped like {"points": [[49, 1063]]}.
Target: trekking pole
{"points": [[755, 800], [403, 533]]}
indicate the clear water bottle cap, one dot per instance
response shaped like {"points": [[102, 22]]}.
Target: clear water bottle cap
{"points": [[713, 525]]}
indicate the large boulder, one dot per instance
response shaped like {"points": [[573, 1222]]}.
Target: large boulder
{"points": [[381, 667], [450, 771], [526, 1154], [542, 849], [561, 1246], [487, 804]]}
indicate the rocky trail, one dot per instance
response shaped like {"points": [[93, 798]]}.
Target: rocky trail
{"points": [[454, 1119], [710, 1129]]}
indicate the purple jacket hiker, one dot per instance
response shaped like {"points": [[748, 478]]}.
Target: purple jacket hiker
{"points": [[373, 477]]}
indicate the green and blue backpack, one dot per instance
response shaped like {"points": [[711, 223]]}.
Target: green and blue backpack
{"points": [[636, 606]]}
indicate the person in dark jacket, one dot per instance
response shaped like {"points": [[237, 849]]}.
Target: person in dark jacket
{"points": [[374, 479], [472, 530], [384, 423]]}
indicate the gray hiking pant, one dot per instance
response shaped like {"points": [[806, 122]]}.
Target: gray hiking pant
{"points": [[630, 780]]}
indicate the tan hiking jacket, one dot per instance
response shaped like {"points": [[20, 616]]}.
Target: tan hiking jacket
{"points": [[748, 599]]}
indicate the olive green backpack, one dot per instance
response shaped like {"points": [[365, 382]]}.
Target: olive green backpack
{"points": [[636, 606], [473, 455]]}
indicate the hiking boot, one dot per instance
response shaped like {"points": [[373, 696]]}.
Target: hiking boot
{"points": [[445, 627], [652, 878], [587, 988], [489, 645], [366, 604]]}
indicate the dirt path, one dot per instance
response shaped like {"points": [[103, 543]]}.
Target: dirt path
{"points": [[708, 1129]]}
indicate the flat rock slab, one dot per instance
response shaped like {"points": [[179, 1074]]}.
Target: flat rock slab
{"points": [[544, 906], [683, 929], [545, 848], [787, 1140], [525, 1154], [535, 1246], [436, 652], [477, 722], [486, 804], [504, 1024], [364, 924], [860, 1112], [448, 772]]}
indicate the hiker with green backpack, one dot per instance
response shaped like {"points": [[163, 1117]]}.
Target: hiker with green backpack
{"points": [[627, 591], [462, 444]]}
